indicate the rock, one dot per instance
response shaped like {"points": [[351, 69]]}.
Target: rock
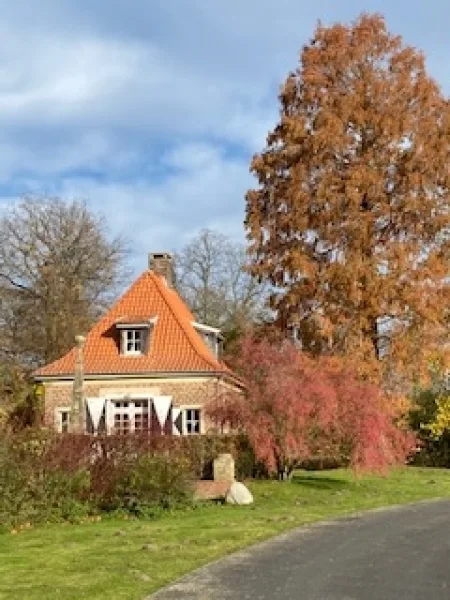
{"points": [[210, 490], [239, 494]]}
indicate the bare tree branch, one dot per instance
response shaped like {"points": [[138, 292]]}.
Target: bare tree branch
{"points": [[211, 276], [60, 269]]}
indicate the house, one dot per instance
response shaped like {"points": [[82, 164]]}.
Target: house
{"points": [[147, 365]]}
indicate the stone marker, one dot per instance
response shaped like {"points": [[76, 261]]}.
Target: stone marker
{"points": [[210, 490], [239, 494], [223, 468]]}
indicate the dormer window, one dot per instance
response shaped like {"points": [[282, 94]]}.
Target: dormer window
{"points": [[211, 336], [135, 336], [134, 339]]}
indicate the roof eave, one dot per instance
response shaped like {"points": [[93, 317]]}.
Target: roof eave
{"points": [[139, 375]]}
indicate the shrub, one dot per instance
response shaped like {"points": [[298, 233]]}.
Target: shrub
{"points": [[298, 409], [198, 451], [430, 418], [45, 476], [20, 405], [152, 482], [33, 489]]}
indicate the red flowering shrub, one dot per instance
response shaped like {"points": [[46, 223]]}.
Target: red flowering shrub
{"points": [[296, 409]]}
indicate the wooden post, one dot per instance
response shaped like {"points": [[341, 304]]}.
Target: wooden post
{"points": [[77, 417]]}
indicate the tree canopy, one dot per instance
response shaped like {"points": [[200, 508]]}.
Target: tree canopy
{"points": [[59, 269], [350, 218], [211, 275]]}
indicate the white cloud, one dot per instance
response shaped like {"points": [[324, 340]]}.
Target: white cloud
{"points": [[153, 110], [93, 82], [204, 189]]}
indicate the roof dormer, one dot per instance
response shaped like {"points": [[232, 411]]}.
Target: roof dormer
{"points": [[135, 335], [211, 336]]}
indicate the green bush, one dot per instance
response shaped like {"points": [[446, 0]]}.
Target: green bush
{"points": [[14, 495], [433, 451], [33, 490], [154, 482]]}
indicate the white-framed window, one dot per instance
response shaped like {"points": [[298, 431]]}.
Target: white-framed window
{"points": [[135, 336], [121, 421], [141, 416], [62, 419], [191, 421], [131, 416], [134, 341]]}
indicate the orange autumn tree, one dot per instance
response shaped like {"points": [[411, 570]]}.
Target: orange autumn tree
{"points": [[350, 218]]}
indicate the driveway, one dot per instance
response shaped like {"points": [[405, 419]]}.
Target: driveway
{"points": [[394, 554]]}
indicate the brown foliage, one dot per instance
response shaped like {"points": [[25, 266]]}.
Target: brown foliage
{"points": [[350, 220]]}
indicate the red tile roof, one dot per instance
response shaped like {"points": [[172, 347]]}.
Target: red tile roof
{"points": [[175, 345]]}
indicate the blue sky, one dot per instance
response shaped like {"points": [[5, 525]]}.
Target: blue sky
{"points": [[152, 109]]}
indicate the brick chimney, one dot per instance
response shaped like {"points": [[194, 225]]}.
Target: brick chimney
{"points": [[161, 264]]}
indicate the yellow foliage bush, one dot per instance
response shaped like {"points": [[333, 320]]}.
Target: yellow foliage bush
{"points": [[441, 421]]}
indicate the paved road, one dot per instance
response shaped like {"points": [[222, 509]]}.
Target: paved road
{"points": [[396, 554]]}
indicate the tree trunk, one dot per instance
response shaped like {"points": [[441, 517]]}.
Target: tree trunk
{"points": [[283, 472], [371, 333]]}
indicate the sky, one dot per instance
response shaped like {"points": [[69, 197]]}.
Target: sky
{"points": [[152, 109]]}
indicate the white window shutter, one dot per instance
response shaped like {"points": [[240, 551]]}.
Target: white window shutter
{"points": [[176, 421], [162, 406], [95, 407]]}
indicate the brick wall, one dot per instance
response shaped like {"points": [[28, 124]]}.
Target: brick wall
{"points": [[185, 392]]}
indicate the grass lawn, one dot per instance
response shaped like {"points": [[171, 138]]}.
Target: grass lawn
{"points": [[123, 559]]}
